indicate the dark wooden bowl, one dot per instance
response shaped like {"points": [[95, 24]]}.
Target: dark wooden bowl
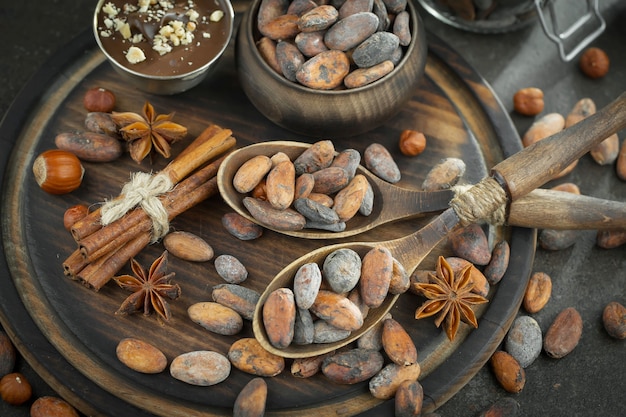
{"points": [[332, 113]]}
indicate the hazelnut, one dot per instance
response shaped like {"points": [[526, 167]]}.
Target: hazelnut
{"points": [[57, 171], [594, 63], [48, 406], [99, 99], [74, 214], [15, 389], [528, 101], [412, 143]]}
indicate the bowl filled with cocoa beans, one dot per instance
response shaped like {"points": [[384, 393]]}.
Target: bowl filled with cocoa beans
{"points": [[326, 70], [163, 47]]}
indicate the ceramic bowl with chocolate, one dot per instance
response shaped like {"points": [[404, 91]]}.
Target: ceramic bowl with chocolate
{"points": [[337, 68], [163, 47]]}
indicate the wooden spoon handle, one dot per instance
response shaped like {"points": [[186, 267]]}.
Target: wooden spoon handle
{"points": [[540, 162], [549, 209]]}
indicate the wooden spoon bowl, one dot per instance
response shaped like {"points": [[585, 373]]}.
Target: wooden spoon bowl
{"points": [[406, 203]]}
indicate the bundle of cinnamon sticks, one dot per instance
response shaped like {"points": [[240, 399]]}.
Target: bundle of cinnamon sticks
{"points": [[103, 250]]}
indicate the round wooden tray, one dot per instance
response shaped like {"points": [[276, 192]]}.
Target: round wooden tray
{"points": [[68, 333]]}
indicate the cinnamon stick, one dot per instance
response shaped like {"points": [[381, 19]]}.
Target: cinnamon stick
{"points": [[211, 142], [121, 231], [74, 264], [100, 271]]}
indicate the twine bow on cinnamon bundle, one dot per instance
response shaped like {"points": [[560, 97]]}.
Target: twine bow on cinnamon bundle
{"points": [[110, 236]]}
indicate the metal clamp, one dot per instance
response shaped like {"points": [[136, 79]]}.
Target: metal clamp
{"points": [[560, 39]]}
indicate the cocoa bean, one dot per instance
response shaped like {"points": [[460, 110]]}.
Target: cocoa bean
{"points": [[251, 172], [349, 160], [400, 282], [550, 239], [250, 401], [311, 43], [337, 311], [378, 160], [240, 227], [398, 344], [376, 272], [271, 9], [608, 239], [267, 49], [401, 28], [367, 75], [304, 185], [373, 338], [444, 175], [140, 356], [350, 7], [264, 213], [100, 122], [326, 333], [216, 318], [352, 366], [349, 32], [508, 371], [614, 320], [319, 18], [324, 71], [395, 6], [563, 334], [289, 58], [377, 48], [583, 108], [330, 180], [349, 199], [323, 199], [367, 205], [306, 284], [606, 152], [187, 246], [299, 7], [90, 146], [497, 266], [279, 317], [342, 269], [304, 328], [537, 292], [247, 355], [230, 269], [543, 127], [307, 367], [279, 157], [203, 368], [315, 212], [385, 383], [241, 299], [281, 28], [318, 156], [470, 243], [524, 340], [280, 185], [409, 399]]}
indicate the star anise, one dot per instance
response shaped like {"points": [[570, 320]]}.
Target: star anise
{"points": [[148, 132], [451, 296], [149, 288]]}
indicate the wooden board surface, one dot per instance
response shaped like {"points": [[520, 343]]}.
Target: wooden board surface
{"points": [[69, 333]]}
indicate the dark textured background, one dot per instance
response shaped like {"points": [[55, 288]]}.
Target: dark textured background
{"points": [[592, 379]]}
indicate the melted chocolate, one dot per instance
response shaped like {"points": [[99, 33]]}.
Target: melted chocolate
{"points": [[183, 58]]}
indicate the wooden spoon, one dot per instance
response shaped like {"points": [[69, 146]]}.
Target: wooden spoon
{"points": [[517, 176], [406, 203], [539, 209]]}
